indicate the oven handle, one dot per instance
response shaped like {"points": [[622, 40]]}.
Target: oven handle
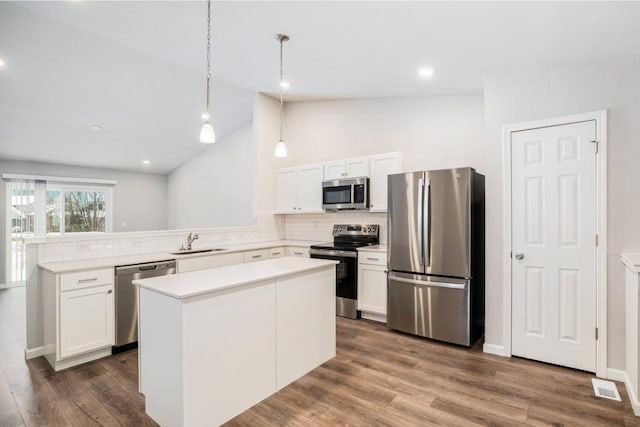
{"points": [[348, 254]]}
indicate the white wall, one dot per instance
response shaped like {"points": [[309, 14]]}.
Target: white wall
{"points": [[139, 199], [431, 132], [215, 188], [538, 94]]}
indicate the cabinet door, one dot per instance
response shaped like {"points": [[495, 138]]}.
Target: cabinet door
{"points": [[86, 320], [257, 255], [382, 166], [334, 170], [356, 167], [276, 252], [286, 190], [372, 289], [310, 188], [210, 261]]}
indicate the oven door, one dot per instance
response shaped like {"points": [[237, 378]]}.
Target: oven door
{"points": [[346, 280]]}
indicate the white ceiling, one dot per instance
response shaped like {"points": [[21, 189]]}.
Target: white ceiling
{"points": [[153, 52]]}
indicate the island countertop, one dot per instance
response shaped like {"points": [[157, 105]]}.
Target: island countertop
{"points": [[186, 285]]}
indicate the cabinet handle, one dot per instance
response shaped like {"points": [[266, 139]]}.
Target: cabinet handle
{"points": [[275, 253], [109, 291], [386, 271], [93, 279], [373, 259], [256, 256], [297, 253]]}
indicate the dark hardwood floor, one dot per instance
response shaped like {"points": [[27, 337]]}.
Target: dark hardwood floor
{"points": [[379, 378]]}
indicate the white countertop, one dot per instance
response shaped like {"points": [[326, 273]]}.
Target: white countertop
{"points": [[108, 262], [632, 261], [374, 248], [201, 282]]}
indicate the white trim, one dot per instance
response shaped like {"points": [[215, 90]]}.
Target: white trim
{"points": [[12, 285], [619, 375], [32, 353], [498, 350], [57, 179], [600, 118]]}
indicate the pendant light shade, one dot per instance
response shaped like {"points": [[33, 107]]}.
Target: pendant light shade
{"points": [[207, 134], [281, 147]]}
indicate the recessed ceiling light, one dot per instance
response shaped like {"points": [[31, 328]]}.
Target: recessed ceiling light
{"points": [[426, 72], [285, 84], [146, 162], [2, 63], [96, 127]]}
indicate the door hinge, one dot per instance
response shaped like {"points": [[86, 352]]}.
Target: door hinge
{"points": [[510, 254], [596, 240], [596, 334], [596, 143]]}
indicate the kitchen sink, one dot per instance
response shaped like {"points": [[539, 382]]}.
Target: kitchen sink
{"points": [[197, 251]]}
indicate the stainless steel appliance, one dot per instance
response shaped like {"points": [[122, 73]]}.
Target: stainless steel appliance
{"points": [[126, 297], [436, 254], [340, 194], [344, 249]]}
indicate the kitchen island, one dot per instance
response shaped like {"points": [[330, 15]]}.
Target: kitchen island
{"points": [[215, 342]]}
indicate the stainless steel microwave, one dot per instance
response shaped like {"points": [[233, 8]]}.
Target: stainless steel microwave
{"points": [[352, 193]]}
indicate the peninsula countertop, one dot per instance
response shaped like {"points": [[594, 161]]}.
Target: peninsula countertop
{"points": [[108, 262], [186, 285]]}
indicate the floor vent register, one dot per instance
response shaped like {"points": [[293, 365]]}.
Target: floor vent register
{"points": [[605, 389]]}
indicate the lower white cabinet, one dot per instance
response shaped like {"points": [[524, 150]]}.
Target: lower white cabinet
{"points": [[276, 252], [372, 285], [297, 251], [258, 255], [78, 316]]}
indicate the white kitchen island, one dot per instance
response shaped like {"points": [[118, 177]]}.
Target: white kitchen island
{"points": [[213, 343]]}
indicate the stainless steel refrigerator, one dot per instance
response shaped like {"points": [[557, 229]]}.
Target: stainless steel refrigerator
{"points": [[436, 254]]}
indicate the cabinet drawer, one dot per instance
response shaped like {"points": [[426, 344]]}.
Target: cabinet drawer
{"points": [[251, 256], [86, 279], [296, 251], [372, 258], [276, 252]]}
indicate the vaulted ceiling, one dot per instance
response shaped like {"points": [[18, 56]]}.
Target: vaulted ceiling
{"points": [[136, 68]]}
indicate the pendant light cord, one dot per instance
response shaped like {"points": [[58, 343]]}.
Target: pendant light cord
{"points": [[280, 85], [208, 53]]}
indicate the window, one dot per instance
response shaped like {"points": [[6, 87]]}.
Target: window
{"points": [[74, 209]]}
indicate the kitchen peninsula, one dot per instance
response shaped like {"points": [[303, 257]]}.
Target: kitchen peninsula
{"points": [[215, 342]]}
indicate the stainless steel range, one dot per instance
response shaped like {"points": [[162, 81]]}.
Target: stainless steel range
{"points": [[347, 238]]}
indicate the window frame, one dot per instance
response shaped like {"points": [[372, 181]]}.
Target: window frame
{"points": [[67, 187]]}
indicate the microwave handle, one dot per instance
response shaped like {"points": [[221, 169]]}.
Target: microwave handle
{"points": [[353, 193]]}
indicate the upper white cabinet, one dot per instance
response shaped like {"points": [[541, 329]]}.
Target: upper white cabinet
{"points": [[349, 168], [299, 189], [382, 165]]}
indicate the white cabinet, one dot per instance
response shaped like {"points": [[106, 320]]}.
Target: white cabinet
{"points": [[297, 251], [86, 320], [372, 285], [209, 261], [382, 165], [276, 252], [349, 168], [299, 189], [78, 316], [257, 255]]}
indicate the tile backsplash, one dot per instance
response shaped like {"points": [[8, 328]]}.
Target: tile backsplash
{"points": [[319, 226]]}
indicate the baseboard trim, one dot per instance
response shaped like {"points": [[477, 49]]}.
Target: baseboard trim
{"points": [[620, 375], [32, 353], [498, 350]]}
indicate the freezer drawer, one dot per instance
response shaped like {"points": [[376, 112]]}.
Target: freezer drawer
{"points": [[429, 306]]}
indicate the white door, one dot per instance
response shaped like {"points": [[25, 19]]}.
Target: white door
{"points": [[286, 190], [310, 188], [356, 167], [554, 244], [382, 166], [86, 320]]}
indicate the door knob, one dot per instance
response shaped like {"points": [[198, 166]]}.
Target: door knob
{"points": [[519, 256]]}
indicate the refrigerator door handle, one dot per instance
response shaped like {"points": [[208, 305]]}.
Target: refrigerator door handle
{"points": [[426, 227], [421, 219], [432, 284]]}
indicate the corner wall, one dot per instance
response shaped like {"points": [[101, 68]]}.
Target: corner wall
{"points": [[538, 94]]}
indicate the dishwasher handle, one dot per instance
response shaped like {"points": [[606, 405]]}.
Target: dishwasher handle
{"points": [[148, 268]]}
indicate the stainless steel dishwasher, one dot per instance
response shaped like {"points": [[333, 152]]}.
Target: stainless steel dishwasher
{"points": [[127, 299]]}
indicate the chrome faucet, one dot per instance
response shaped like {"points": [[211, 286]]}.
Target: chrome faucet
{"points": [[190, 239]]}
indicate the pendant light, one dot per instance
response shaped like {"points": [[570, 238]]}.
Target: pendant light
{"points": [[281, 147], [207, 134]]}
